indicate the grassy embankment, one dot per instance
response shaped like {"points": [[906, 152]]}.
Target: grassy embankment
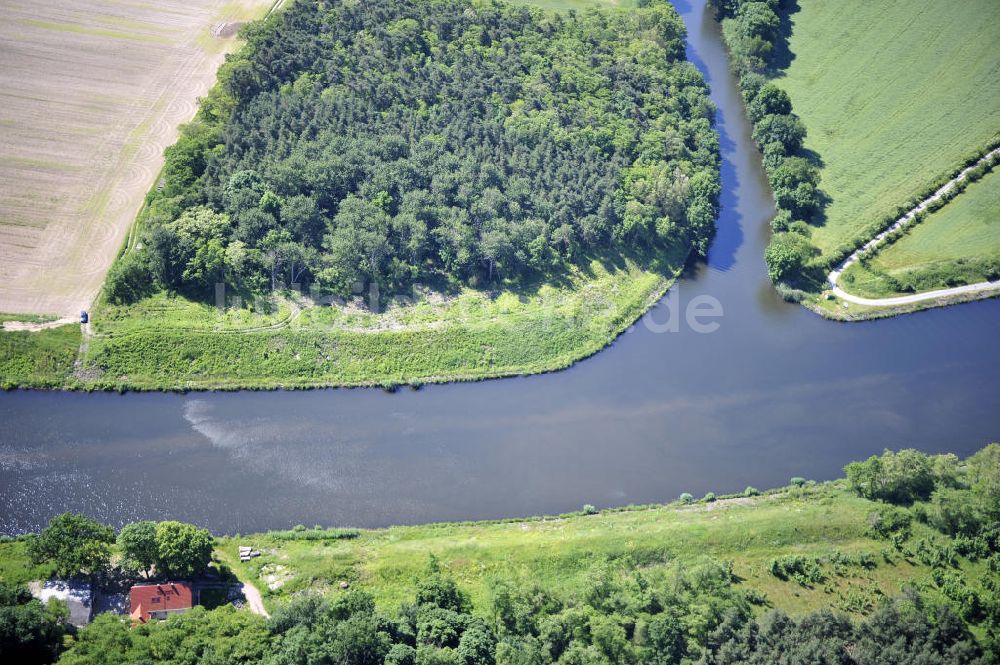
{"points": [[896, 98], [38, 359], [173, 343], [824, 521]]}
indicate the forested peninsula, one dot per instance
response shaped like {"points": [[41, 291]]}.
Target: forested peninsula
{"points": [[395, 192]]}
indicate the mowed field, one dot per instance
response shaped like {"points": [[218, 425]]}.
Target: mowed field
{"points": [[894, 94], [958, 244], [968, 227], [91, 92]]}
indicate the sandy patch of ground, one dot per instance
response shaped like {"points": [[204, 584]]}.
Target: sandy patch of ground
{"points": [[91, 92], [274, 575], [16, 326]]}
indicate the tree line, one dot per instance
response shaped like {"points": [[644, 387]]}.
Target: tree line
{"points": [[753, 33], [451, 142]]}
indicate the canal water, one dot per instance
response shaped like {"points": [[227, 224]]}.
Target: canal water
{"points": [[774, 392]]}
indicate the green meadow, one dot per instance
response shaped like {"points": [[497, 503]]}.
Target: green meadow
{"points": [[166, 342], [958, 244], [38, 359], [824, 522], [894, 95]]}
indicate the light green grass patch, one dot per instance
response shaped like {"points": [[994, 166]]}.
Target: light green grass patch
{"points": [[894, 95], [958, 244], [38, 359], [94, 31], [169, 342], [968, 227]]}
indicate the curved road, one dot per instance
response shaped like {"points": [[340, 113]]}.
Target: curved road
{"points": [[903, 221]]}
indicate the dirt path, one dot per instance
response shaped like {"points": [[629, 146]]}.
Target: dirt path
{"points": [[15, 326], [254, 600], [905, 220]]}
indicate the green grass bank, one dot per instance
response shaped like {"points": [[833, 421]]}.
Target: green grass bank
{"points": [[903, 534], [172, 343]]}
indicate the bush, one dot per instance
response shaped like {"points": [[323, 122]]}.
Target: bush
{"points": [[710, 497], [900, 478], [787, 255], [888, 521], [807, 571], [589, 509], [686, 497], [751, 491], [797, 481]]}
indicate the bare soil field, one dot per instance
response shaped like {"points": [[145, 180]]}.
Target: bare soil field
{"points": [[91, 92]]}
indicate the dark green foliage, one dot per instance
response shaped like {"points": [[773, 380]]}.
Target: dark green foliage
{"points": [[983, 475], [393, 141], [73, 544], [804, 570], [769, 100], [952, 512], [908, 631], [900, 478], [29, 631], [215, 638], [889, 522], [753, 34], [440, 591], [129, 279], [182, 549], [900, 631], [137, 543], [787, 256]]}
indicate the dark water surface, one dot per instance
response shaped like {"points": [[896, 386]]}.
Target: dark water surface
{"points": [[775, 392]]}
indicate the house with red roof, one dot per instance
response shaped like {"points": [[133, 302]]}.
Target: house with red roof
{"points": [[158, 601]]}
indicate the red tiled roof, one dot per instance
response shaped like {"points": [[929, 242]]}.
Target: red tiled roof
{"points": [[148, 598]]}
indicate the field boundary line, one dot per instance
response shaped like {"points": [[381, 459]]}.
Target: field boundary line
{"points": [[901, 223]]}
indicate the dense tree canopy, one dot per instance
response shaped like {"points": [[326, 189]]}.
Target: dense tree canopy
{"points": [[29, 631], [695, 616], [74, 544], [182, 549], [399, 140]]}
